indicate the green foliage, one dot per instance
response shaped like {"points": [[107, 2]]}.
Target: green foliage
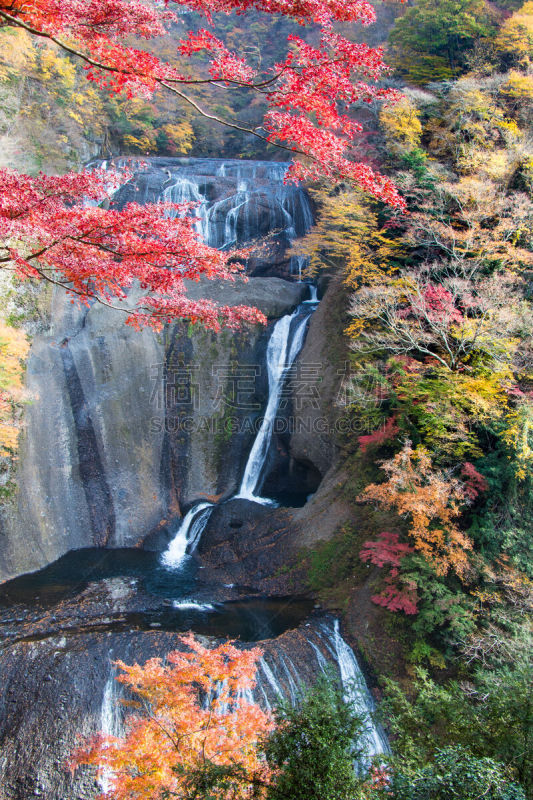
{"points": [[445, 611], [447, 411], [491, 714], [313, 746], [501, 521], [455, 773], [416, 161], [430, 41]]}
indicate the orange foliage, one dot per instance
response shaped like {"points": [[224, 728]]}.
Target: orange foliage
{"points": [[191, 720], [431, 502]]}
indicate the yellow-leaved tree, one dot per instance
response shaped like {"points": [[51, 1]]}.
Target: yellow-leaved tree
{"points": [[347, 235], [14, 348]]}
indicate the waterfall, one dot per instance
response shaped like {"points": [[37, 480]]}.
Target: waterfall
{"points": [[323, 649], [356, 693], [271, 678], [281, 353], [188, 535], [234, 201], [110, 724], [313, 292], [184, 191], [192, 605], [298, 265]]}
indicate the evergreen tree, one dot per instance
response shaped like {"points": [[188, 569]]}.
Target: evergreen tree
{"points": [[312, 747]]}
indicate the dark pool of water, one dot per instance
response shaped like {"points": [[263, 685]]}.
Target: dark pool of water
{"points": [[179, 606], [71, 573]]}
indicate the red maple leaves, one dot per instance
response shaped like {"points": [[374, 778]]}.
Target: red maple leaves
{"points": [[474, 483], [98, 253], [384, 434], [398, 594], [53, 229]]}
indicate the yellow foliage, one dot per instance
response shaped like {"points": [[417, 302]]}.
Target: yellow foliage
{"points": [[347, 235], [518, 436], [181, 135], [143, 143], [470, 125], [518, 86], [14, 348], [516, 34], [401, 123], [17, 53], [55, 66]]}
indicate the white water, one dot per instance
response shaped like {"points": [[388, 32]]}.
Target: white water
{"points": [[294, 688], [192, 605], [313, 291], [298, 265], [327, 645], [281, 353], [271, 678], [373, 739], [232, 219], [110, 724], [188, 535]]}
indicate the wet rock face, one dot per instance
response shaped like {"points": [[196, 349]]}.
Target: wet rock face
{"points": [[126, 427], [88, 467], [248, 543], [53, 692], [57, 673], [237, 201]]}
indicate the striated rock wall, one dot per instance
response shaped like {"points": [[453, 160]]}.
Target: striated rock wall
{"points": [[102, 460]]}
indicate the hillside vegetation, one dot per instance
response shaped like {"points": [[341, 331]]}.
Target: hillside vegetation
{"points": [[440, 330]]}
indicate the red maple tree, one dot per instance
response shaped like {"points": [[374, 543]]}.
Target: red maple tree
{"points": [[97, 253], [399, 593], [383, 434]]}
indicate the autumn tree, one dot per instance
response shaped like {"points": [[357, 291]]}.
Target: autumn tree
{"points": [[347, 236], [399, 593], [14, 346], [430, 502], [514, 41], [91, 252], [451, 321], [192, 733]]}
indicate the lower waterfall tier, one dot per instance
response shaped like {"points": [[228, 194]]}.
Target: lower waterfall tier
{"points": [[57, 659]]}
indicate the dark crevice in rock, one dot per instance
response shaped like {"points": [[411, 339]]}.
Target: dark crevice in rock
{"points": [[91, 469]]}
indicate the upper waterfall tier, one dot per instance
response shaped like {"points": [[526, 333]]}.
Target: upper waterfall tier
{"points": [[236, 202]]}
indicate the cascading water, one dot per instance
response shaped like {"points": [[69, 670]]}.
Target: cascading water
{"points": [[224, 222], [288, 334], [110, 723], [372, 738], [328, 649], [234, 201], [188, 535], [313, 291], [282, 351]]}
